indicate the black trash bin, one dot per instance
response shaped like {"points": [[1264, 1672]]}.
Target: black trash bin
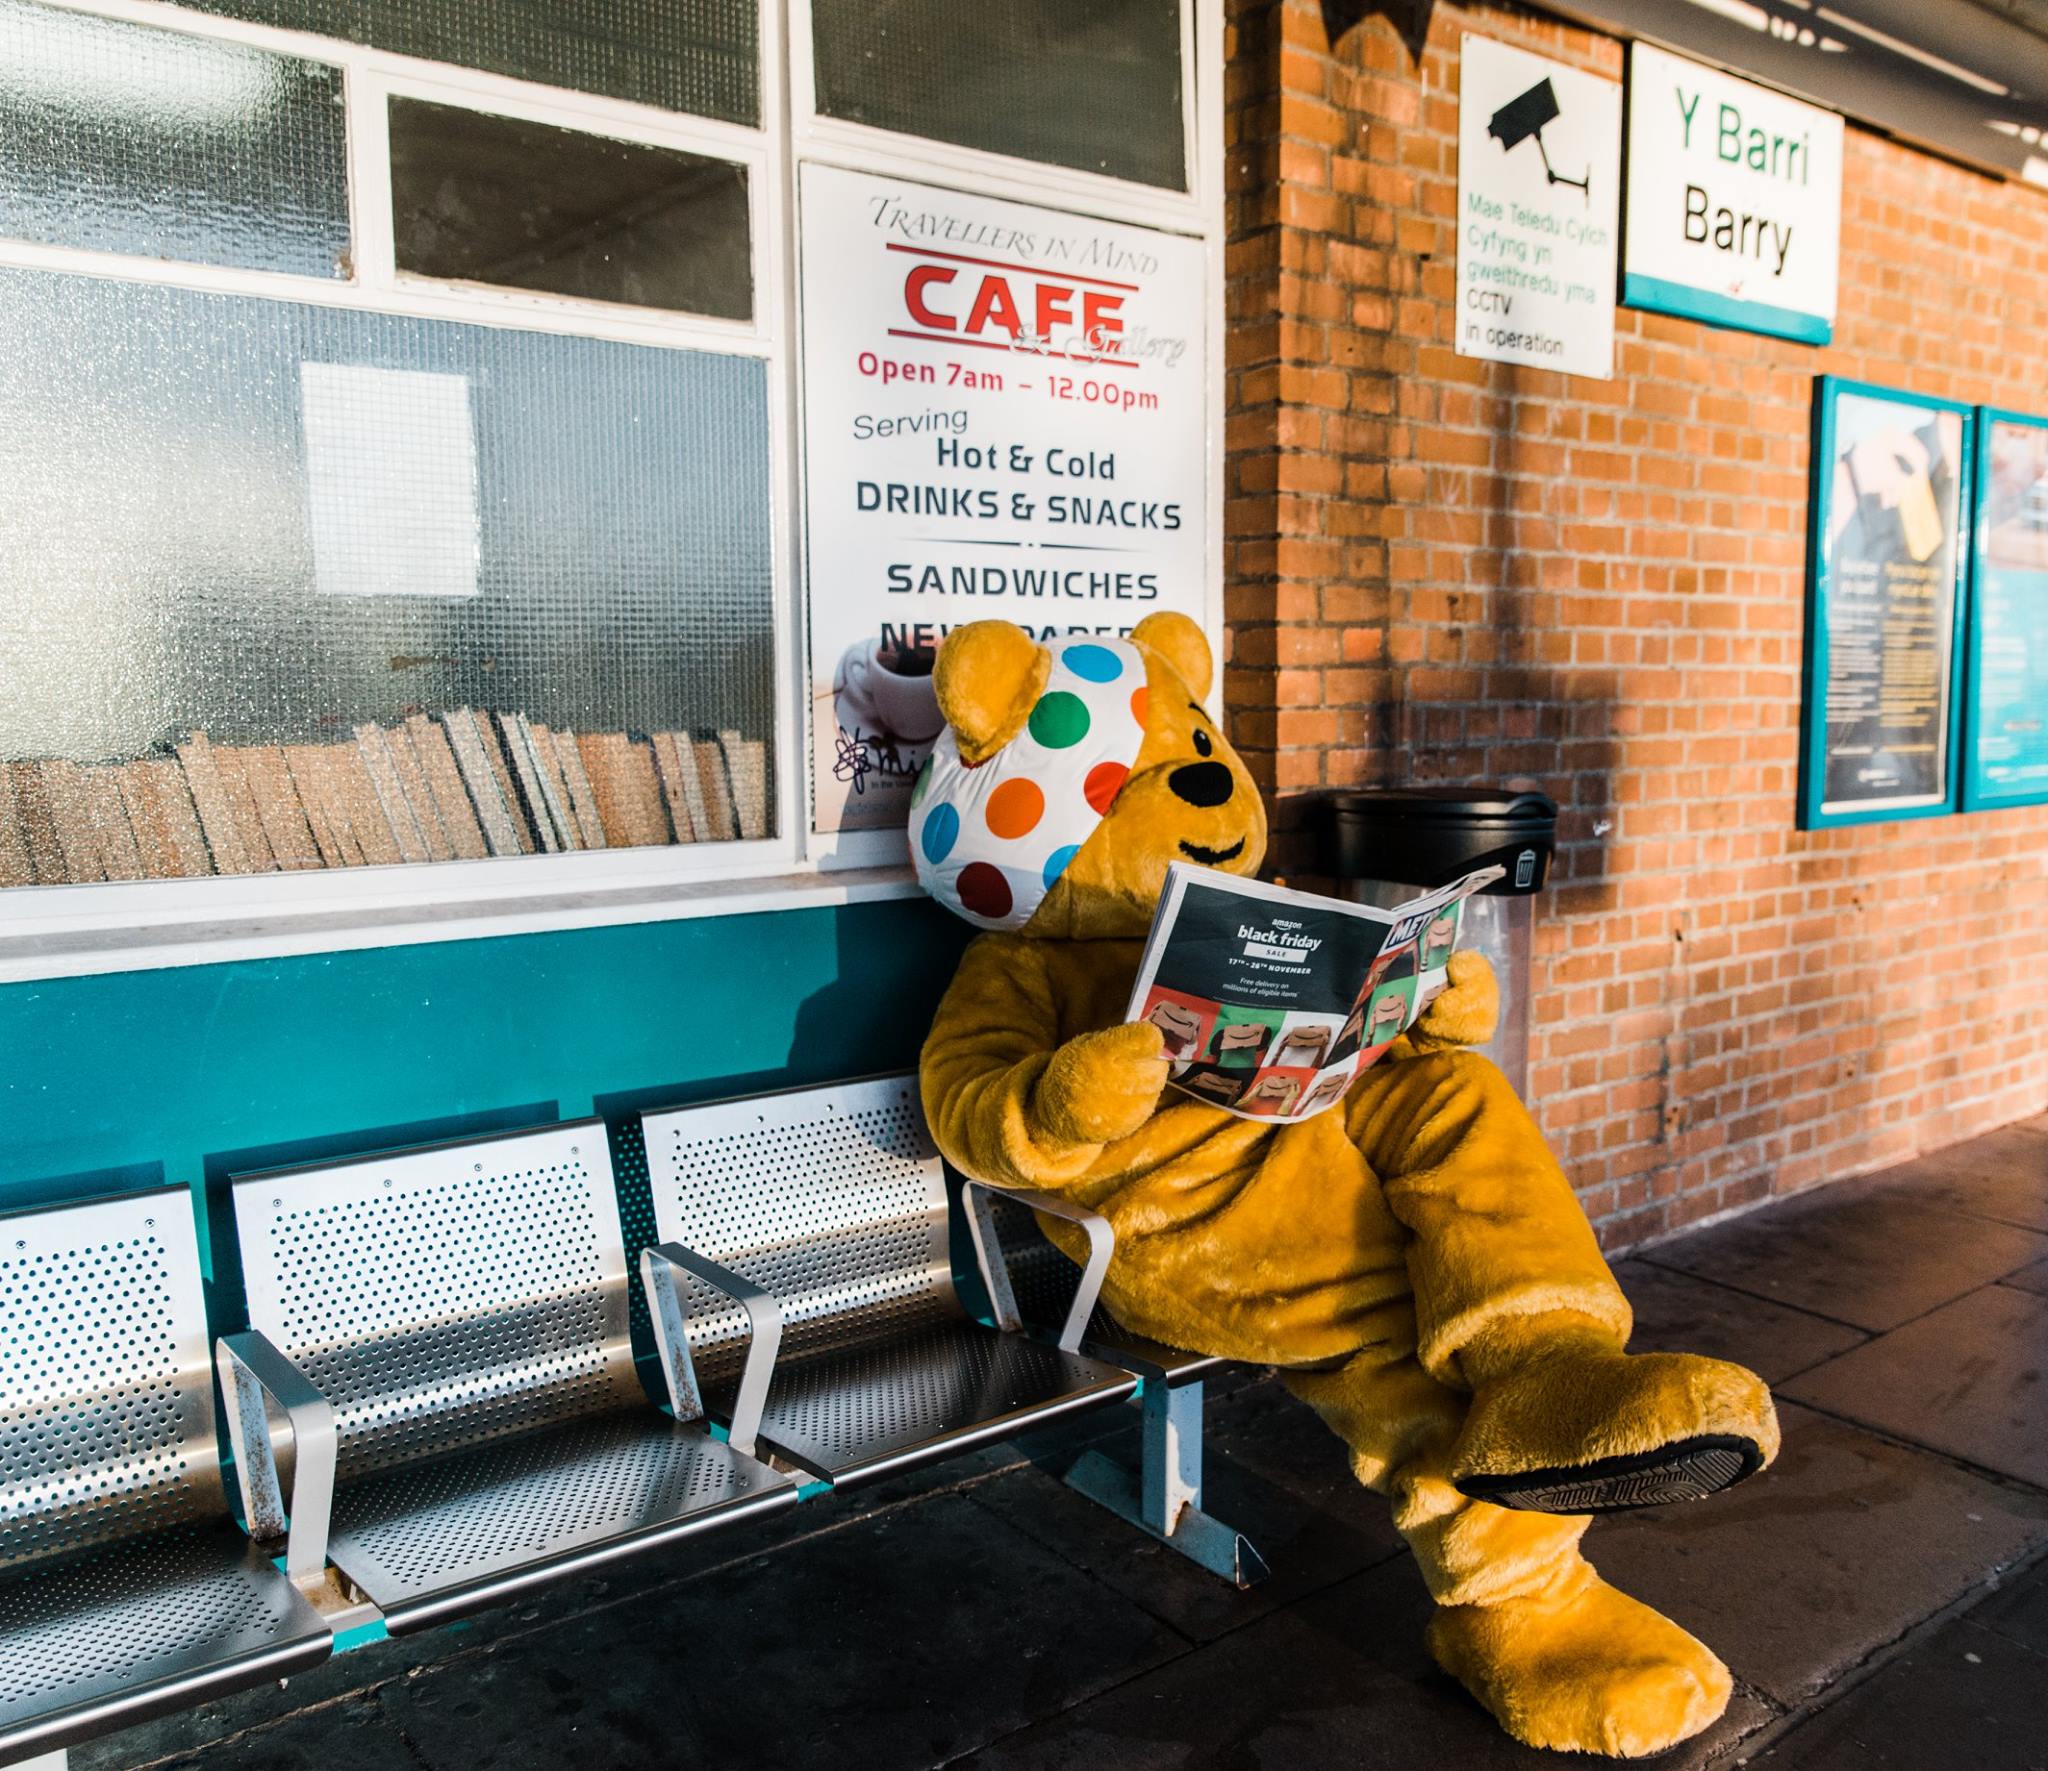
{"points": [[1383, 845]]}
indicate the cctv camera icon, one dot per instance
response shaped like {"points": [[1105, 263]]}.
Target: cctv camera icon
{"points": [[1525, 116]]}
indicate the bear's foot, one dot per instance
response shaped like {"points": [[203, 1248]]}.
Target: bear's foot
{"points": [[1581, 1667], [1583, 1428]]}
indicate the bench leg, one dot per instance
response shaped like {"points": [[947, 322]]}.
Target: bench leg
{"points": [[1165, 1498]]}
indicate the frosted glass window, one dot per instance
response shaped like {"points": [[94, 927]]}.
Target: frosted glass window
{"points": [[700, 56], [487, 199], [120, 138], [187, 693], [1093, 84]]}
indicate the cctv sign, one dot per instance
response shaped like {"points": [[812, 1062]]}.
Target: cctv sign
{"points": [[1539, 210]]}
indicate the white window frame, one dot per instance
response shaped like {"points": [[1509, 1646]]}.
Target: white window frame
{"points": [[61, 930]]}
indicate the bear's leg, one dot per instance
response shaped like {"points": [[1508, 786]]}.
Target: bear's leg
{"points": [[1513, 1302], [1561, 1658]]}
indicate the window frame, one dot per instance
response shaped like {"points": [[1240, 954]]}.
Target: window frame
{"points": [[62, 930], [384, 78], [882, 150]]}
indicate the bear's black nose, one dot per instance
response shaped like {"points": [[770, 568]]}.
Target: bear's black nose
{"points": [[1202, 784]]}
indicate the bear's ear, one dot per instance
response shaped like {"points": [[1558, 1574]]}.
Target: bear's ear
{"points": [[989, 675], [1182, 644]]}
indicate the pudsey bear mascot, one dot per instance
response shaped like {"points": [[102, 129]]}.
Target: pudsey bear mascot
{"points": [[1413, 1260]]}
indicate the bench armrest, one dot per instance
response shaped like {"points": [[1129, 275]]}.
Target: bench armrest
{"points": [[659, 1267], [257, 1379], [979, 1197]]}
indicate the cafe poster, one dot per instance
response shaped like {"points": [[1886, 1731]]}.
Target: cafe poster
{"points": [[1884, 609], [2005, 759], [1004, 414]]}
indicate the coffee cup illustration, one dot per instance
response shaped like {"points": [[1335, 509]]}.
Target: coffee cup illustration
{"points": [[1180, 1026], [884, 697], [1306, 1046]]}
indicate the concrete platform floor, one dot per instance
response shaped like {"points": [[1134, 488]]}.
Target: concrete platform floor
{"points": [[1881, 1593]]}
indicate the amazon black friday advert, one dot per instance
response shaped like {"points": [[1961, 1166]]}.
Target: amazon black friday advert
{"points": [[1237, 949], [1269, 1002]]}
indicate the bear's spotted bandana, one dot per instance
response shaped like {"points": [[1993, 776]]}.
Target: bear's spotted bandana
{"points": [[990, 841]]}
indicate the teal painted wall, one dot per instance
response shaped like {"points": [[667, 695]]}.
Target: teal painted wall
{"points": [[194, 1073]]}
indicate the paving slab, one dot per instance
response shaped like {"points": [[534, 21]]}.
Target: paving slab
{"points": [[1677, 1313], [917, 1636], [2003, 1175], [355, 1734], [1966, 1697], [1840, 1547], [2019, 1609], [1970, 1379], [1274, 1473], [2033, 1278], [2019, 1145], [1874, 1258], [362, 1669], [1340, 1680]]}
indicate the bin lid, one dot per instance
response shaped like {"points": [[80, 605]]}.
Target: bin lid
{"points": [[1445, 805]]}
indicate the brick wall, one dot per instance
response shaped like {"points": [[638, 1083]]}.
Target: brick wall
{"points": [[1446, 570]]}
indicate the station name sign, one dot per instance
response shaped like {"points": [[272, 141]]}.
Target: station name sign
{"points": [[1734, 205]]}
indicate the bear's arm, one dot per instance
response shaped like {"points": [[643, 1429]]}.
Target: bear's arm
{"points": [[1467, 1013], [983, 1071]]}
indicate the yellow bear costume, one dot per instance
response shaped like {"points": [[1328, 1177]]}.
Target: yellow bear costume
{"points": [[1413, 1259]]}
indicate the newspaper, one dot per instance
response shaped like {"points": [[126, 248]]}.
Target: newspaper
{"points": [[1273, 1001]]}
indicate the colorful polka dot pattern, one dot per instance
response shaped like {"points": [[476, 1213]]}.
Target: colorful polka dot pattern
{"points": [[990, 842]]}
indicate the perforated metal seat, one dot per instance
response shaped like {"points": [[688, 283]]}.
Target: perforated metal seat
{"points": [[464, 1309], [1043, 1284], [1034, 1286], [125, 1588], [833, 1200]]}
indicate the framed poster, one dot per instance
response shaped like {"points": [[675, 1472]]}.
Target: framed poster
{"points": [[1884, 605], [1003, 415], [2005, 742]]}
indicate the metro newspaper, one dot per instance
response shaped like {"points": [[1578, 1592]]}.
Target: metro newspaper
{"points": [[1273, 1001]]}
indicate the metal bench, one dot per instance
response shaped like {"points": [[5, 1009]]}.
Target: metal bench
{"points": [[833, 1200], [1033, 1286], [464, 1310], [126, 1589]]}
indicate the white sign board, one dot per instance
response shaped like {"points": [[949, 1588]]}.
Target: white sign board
{"points": [[1734, 200], [1539, 204], [390, 480], [1004, 415]]}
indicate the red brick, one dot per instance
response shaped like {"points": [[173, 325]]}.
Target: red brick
{"points": [[1446, 569]]}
